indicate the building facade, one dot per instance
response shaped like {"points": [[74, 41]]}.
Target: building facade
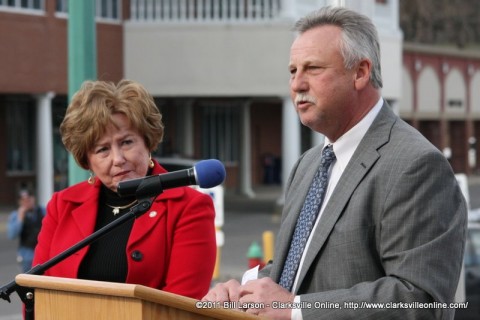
{"points": [[441, 98], [217, 69], [34, 89]]}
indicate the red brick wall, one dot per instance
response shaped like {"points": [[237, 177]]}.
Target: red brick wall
{"points": [[34, 57]]}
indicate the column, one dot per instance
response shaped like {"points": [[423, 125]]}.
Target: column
{"points": [[187, 126], [82, 60], [245, 173], [44, 161], [291, 138]]}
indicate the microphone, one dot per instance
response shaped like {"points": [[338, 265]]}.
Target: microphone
{"points": [[205, 173]]}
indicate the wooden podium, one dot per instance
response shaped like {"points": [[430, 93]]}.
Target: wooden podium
{"points": [[63, 298]]}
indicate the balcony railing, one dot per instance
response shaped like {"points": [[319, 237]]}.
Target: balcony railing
{"points": [[161, 11]]}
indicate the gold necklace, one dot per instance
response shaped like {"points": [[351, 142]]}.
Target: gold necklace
{"points": [[116, 210]]}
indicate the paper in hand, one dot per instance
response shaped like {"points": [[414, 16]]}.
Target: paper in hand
{"points": [[250, 274]]}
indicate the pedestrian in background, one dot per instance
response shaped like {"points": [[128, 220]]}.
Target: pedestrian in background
{"points": [[24, 223]]}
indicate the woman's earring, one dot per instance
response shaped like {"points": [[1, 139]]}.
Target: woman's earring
{"points": [[91, 179], [151, 164]]}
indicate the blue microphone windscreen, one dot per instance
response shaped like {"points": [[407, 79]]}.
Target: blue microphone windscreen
{"points": [[210, 173]]}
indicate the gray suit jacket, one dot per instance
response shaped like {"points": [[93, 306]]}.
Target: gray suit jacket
{"points": [[393, 230]]}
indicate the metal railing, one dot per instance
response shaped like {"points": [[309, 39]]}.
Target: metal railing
{"points": [[161, 11]]}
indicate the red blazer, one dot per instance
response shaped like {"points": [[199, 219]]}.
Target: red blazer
{"points": [[171, 247]]}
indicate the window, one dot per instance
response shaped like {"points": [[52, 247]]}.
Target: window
{"points": [[104, 9], [221, 131], [20, 135], [61, 6], [108, 9], [60, 154], [22, 4]]}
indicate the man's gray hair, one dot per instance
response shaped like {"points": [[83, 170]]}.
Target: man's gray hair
{"points": [[359, 37]]}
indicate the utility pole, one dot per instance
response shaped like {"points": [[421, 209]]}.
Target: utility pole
{"points": [[82, 60]]}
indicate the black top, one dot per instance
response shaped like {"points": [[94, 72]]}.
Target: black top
{"points": [[106, 259]]}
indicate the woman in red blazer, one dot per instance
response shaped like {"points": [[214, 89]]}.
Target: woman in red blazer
{"points": [[111, 130]]}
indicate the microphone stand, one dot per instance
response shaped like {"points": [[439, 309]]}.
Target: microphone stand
{"points": [[26, 294]]}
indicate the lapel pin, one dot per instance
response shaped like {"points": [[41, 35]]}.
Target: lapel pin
{"points": [[152, 214]]}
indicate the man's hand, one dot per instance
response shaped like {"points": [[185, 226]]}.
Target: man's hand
{"points": [[226, 291], [255, 297], [25, 204], [266, 293]]}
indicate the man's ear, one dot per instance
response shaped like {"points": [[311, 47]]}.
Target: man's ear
{"points": [[362, 74]]}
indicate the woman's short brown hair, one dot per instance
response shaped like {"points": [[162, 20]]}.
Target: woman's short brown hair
{"points": [[91, 108]]}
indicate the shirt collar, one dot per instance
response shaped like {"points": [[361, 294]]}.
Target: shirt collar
{"points": [[346, 145]]}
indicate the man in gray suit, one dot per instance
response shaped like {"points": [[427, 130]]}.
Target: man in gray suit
{"points": [[391, 228]]}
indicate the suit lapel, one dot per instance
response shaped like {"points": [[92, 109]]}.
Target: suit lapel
{"points": [[365, 156], [85, 213], [158, 212]]}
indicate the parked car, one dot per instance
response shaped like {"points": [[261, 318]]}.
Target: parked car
{"points": [[176, 163], [472, 274]]}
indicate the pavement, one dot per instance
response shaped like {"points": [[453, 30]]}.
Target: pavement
{"points": [[246, 220]]}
